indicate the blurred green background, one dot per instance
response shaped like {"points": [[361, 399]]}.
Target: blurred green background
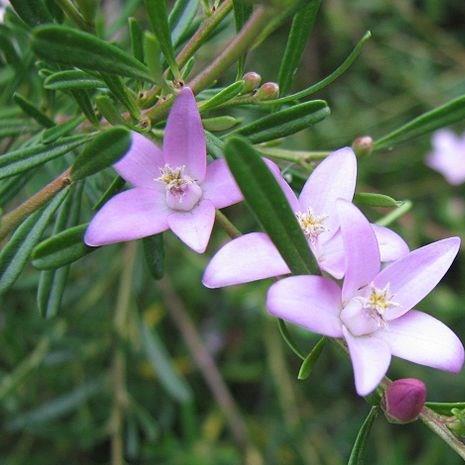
{"points": [[58, 406]]}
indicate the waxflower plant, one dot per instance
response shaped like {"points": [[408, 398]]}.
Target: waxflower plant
{"points": [[113, 133]]}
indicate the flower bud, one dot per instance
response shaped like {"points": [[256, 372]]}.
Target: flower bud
{"points": [[404, 400], [268, 91], [252, 81], [362, 146]]}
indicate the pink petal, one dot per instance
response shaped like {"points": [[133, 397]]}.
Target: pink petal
{"points": [[286, 188], [248, 258], [330, 256], [184, 141], [420, 338], [309, 301], [141, 164], [391, 245], [334, 178], [414, 276], [133, 214], [219, 185], [357, 319], [194, 227], [360, 248], [370, 358]]}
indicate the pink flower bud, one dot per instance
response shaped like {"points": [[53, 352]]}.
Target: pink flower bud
{"points": [[268, 91], [362, 146], [404, 400], [252, 81]]}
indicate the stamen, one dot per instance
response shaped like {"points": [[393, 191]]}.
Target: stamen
{"points": [[379, 301], [174, 178], [312, 225]]}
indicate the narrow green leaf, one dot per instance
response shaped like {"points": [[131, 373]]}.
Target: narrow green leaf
{"points": [[62, 249], [215, 146], [107, 148], [288, 339], [122, 93], [220, 123], [445, 408], [60, 130], [162, 365], [108, 110], [32, 111], [136, 36], [309, 362], [72, 79], [116, 185], [181, 19], [269, 204], [15, 254], [82, 99], [445, 115], [158, 16], [67, 46], [369, 199], [345, 65], [356, 456], [32, 12], [154, 252], [302, 26], [153, 57], [285, 122], [223, 96], [24, 159]]}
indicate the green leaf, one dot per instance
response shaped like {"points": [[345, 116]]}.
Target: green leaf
{"points": [[369, 199], [288, 339], [52, 282], [32, 111], [242, 12], [24, 159], [302, 25], [136, 35], [158, 17], [32, 12], [181, 18], [107, 148], [153, 57], [362, 436], [215, 146], [108, 110], [223, 96], [72, 79], [154, 252], [60, 130], [61, 249], [327, 80], [220, 123], [67, 46], [285, 122], [15, 254], [82, 99], [395, 214], [309, 362], [116, 185], [445, 408], [16, 127], [122, 93], [269, 204], [162, 365], [445, 115]]}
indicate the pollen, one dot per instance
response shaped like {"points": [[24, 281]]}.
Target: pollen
{"points": [[379, 300], [312, 225], [174, 178]]}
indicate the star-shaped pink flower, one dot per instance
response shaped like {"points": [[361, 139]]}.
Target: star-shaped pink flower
{"points": [[373, 311], [174, 188]]}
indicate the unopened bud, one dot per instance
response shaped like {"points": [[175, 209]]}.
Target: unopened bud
{"points": [[404, 399], [268, 91], [362, 146], [252, 81]]}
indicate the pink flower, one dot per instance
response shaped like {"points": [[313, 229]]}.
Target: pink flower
{"points": [[253, 256], [404, 400], [174, 188], [448, 156], [373, 311]]}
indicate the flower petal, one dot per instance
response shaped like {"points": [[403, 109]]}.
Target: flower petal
{"points": [[219, 185], [133, 214], [330, 256], [309, 301], [248, 258], [414, 276], [391, 245], [360, 249], [334, 178], [141, 164], [194, 227], [420, 338], [370, 358], [184, 141], [286, 188]]}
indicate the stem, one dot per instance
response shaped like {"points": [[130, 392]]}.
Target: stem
{"points": [[223, 221], [120, 322], [204, 362], [296, 156], [15, 217]]}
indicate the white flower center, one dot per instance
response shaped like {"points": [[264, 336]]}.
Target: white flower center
{"points": [[182, 191], [312, 225], [378, 301]]}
